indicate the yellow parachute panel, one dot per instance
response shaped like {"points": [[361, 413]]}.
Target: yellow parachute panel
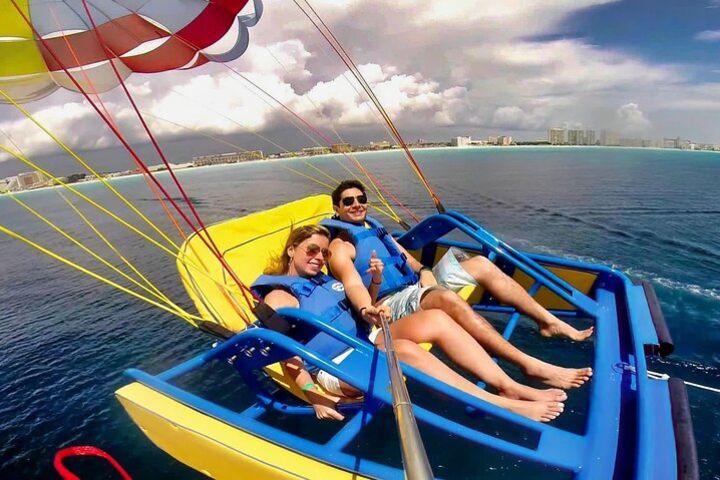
{"points": [[18, 50]]}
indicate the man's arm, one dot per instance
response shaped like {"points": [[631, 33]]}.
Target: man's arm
{"points": [[342, 255]]}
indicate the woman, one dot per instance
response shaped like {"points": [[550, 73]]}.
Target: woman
{"points": [[296, 278]]}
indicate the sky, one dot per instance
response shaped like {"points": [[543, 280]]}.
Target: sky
{"points": [[642, 68]]}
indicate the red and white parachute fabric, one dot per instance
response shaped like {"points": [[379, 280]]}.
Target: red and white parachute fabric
{"points": [[42, 39]]}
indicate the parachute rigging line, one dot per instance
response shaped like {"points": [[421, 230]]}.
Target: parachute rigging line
{"points": [[92, 274], [152, 288], [107, 184], [373, 180], [245, 290], [112, 247], [98, 98], [328, 142], [202, 229], [152, 291], [110, 214], [348, 61], [395, 217], [391, 215]]}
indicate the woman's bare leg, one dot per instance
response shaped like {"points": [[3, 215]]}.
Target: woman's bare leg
{"points": [[436, 327], [412, 354]]}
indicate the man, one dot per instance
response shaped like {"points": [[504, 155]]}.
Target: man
{"points": [[409, 286]]}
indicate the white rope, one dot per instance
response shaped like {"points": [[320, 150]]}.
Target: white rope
{"points": [[664, 376]]}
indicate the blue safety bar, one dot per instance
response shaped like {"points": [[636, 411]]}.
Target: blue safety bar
{"points": [[624, 402]]}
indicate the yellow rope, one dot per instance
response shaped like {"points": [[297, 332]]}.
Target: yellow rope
{"points": [[90, 169], [92, 202], [392, 215], [92, 274], [114, 249], [111, 215], [84, 248]]}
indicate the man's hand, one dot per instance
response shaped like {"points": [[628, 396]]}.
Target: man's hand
{"points": [[372, 314], [427, 279], [376, 268]]}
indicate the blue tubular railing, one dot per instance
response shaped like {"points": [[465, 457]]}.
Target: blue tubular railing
{"points": [[436, 226], [650, 463], [609, 395], [353, 426], [652, 454], [603, 423], [548, 451], [258, 428], [508, 248]]}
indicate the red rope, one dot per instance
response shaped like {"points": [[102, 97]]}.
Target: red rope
{"points": [[317, 132], [84, 451], [132, 152], [328, 141], [212, 246], [95, 93], [348, 61]]}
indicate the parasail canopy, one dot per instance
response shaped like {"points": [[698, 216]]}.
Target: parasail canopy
{"points": [[40, 39]]}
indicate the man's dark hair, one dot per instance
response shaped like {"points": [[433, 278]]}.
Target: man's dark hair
{"points": [[344, 185]]}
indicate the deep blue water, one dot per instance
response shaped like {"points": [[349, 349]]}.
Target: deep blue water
{"points": [[65, 339]]}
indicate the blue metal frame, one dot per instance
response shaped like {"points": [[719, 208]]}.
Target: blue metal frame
{"points": [[624, 402]]}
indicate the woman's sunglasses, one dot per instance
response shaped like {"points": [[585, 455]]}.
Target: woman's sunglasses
{"points": [[361, 199], [313, 249]]}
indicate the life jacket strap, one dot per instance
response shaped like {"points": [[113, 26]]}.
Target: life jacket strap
{"points": [[336, 310]]}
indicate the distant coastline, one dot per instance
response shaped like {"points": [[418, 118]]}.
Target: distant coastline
{"points": [[180, 171]]}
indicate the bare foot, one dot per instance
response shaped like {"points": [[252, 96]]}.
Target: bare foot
{"points": [[559, 377], [539, 411], [562, 329], [523, 392]]}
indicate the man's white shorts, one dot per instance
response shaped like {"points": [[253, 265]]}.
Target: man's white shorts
{"points": [[449, 274]]}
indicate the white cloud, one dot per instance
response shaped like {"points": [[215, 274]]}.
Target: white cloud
{"points": [[515, 118], [466, 65], [708, 36], [631, 120]]}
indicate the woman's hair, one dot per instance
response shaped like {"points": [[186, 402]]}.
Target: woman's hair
{"points": [[279, 265]]}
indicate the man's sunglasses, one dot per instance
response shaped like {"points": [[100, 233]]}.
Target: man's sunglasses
{"points": [[313, 249], [361, 199]]}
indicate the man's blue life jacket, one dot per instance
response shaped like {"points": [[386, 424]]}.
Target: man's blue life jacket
{"points": [[397, 273], [323, 296]]}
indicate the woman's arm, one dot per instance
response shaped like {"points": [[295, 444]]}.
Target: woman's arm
{"points": [[294, 367], [324, 405]]}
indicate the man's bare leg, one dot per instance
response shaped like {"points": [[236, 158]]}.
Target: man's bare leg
{"points": [[484, 333], [508, 291]]}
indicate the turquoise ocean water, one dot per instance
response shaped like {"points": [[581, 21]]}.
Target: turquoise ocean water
{"points": [[66, 339]]}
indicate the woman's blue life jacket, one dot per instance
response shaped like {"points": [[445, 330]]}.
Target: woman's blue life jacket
{"points": [[325, 297], [397, 273]]}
